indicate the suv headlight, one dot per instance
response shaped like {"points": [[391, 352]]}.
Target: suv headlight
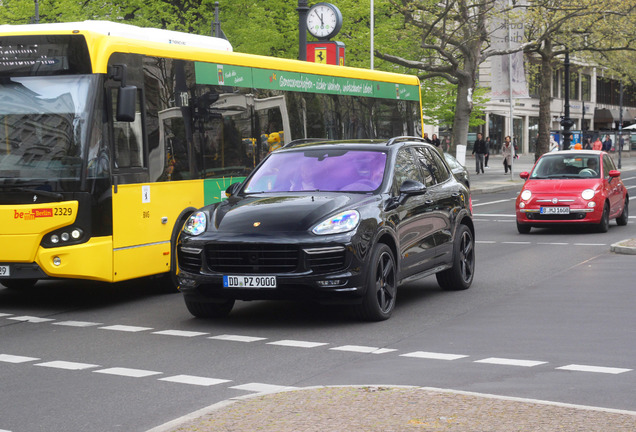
{"points": [[340, 223], [196, 224]]}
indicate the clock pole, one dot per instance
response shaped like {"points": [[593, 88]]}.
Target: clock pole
{"points": [[302, 29]]}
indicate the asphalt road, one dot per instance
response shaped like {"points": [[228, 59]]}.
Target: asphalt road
{"points": [[550, 316]]}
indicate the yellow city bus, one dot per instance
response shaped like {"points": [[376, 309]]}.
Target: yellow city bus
{"points": [[112, 135]]}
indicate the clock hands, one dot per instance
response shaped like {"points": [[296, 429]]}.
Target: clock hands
{"points": [[322, 23]]}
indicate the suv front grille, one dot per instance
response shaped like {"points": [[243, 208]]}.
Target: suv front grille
{"points": [[325, 260], [252, 258], [190, 259]]}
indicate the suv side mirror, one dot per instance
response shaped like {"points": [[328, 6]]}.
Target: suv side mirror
{"points": [[232, 189], [410, 188]]}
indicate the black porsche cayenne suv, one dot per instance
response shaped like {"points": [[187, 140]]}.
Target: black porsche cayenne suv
{"points": [[342, 222]]}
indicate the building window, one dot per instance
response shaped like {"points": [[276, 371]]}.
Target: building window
{"points": [[586, 87]]}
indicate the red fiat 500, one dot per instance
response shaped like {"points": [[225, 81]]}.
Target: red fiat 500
{"points": [[572, 187]]}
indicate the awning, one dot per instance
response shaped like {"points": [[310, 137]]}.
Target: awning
{"points": [[605, 115], [628, 114]]}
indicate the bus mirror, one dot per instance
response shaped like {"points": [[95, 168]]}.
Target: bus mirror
{"points": [[126, 103]]}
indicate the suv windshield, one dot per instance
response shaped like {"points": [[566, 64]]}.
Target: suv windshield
{"points": [[572, 166], [319, 170], [43, 123]]}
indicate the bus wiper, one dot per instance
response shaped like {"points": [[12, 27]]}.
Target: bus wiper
{"points": [[45, 193]]}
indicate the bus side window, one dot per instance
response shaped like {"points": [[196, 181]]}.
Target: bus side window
{"points": [[127, 139]]}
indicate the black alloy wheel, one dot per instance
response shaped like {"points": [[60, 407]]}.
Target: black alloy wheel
{"points": [[622, 219], [603, 225], [460, 275], [379, 300]]}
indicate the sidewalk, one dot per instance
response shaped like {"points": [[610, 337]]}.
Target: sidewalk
{"points": [[494, 180], [395, 409]]}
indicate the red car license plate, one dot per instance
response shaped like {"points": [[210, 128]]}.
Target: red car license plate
{"points": [[555, 210]]}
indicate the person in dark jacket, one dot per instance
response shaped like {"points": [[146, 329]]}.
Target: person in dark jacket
{"points": [[479, 150]]}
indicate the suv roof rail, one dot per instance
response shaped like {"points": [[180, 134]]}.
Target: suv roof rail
{"points": [[304, 141], [398, 139]]}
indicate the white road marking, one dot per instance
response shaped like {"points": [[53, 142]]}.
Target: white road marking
{"points": [[194, 380], [127, 372], [597, 369], [237, 338], [363, 349], [554, 243], [494, 215], [590, 244], [262, 388], [520, 242], [486, 241], [125, 328], [5, 314], [59, 364], [297, 344], [181, 333], [494, 202], [434, 356], [510, 362], [31, 319], [8, 358], [77, 323]]}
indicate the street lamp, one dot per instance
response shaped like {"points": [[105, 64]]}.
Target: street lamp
{"points": [[566, 121], [302, 9]]}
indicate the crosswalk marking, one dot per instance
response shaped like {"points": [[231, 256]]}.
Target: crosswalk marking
{"points": [[8, 358], [127, 372], [237, 338], [76, 323], [510, 362], [59, 364], [181, 333], [125, 328], [597, 369], [31, 319], [433, 355], [261, 388], [194, 380], [297, 344]]}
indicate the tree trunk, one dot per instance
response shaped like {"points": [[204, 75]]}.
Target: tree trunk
{"points": [[545, 97]]}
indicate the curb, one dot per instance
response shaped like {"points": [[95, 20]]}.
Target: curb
{"points": [[625, 247]]}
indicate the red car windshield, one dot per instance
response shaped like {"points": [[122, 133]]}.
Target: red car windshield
{"points": [[568, 166], [328, 170]]}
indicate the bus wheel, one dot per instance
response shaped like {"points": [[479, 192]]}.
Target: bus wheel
{"points": [[216, 309], [19, 284]]}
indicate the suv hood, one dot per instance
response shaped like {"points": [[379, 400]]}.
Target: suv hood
{"points": [[279, 212]]}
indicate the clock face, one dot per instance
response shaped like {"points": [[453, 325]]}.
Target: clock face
{"points": [[324, 20]]}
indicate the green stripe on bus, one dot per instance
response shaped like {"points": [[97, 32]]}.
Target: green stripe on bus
{"points": [[240, 76]]}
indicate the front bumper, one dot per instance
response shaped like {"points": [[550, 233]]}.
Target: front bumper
{"points": [[330, 273]]}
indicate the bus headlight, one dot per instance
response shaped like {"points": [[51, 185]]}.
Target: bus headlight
{"points": [[196, 224]]}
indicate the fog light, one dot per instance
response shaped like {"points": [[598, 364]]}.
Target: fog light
{"points": [[522, 205], [75, 234], [186, 282], [57, 261], [65, 236], [55, 239], [330, 283], [591, 204]]}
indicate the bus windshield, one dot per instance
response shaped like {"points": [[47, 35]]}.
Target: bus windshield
{"points": [[43, 123]]}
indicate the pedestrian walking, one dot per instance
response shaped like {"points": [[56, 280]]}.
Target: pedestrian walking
{"points": [[479, 150], [487, 152], [607, 143], [598, 145], [426, 138], [436, 142], [508, 152]]}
